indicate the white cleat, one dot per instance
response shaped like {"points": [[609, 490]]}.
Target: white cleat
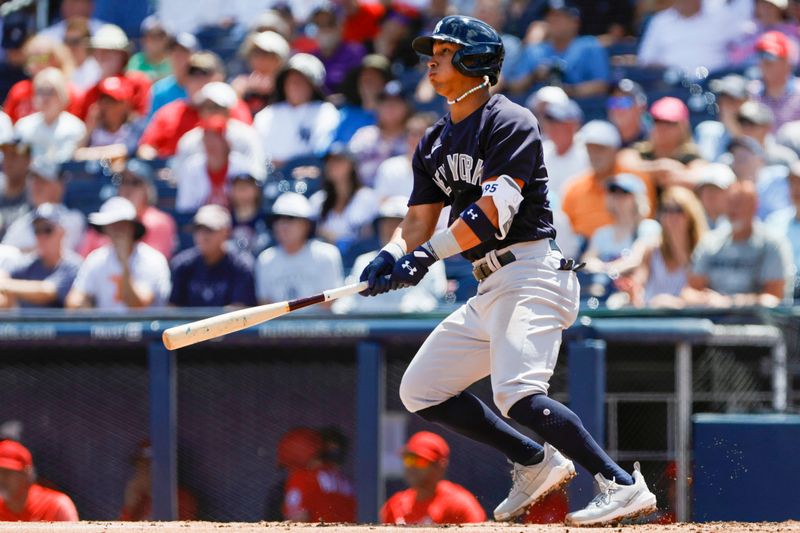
{"points": [[532, 483], [616, 502]]}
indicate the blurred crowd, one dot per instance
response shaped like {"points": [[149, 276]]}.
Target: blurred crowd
{"points": [[250, 152]]}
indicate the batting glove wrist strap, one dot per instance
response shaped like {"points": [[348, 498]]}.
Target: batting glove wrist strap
{"points": [[394, 249], [375, 272], [411, 268]]}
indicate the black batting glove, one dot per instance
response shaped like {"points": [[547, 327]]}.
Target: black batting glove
{"points": [[411, 268], [375, 274]]}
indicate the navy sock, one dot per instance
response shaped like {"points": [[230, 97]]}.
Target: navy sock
{"points": [[467, 415], [562, 428]]}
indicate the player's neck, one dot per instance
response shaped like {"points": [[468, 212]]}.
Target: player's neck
{"points": [[464, 108]]}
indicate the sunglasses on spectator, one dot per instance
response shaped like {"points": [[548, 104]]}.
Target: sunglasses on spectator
{"points": [[286, 217], [130, 183], [616, 189], [415, 461], [43, 230], [671, 209], [620, 102], [37, 59], [766, 56], [197, 71]]}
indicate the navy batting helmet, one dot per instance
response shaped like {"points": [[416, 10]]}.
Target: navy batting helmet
{"points": [[482, 50]]}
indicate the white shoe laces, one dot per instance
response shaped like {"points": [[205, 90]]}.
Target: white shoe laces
{"points": [[607, 488], [517, 477]]}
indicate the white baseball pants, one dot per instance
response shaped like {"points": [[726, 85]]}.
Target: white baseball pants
{"points": [[511, 329]]}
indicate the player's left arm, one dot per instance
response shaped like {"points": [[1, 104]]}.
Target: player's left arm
{"points": [[488, 217]]}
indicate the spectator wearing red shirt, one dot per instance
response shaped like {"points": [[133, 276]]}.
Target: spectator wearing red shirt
{"points": [[21, 498], [362, 20], [431, 499], [161, 136], [40, 52], [314, 491], [111, 50]]}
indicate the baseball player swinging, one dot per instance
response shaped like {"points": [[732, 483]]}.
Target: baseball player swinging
{"points": [[484, 159]]}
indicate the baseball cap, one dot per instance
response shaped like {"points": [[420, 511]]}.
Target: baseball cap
{"points": [[214, 217], [716, 174], [204, 62], [292, 204], [547, 94], [393, 89], [427, 445], [116, 87], [218, 92], [309, 66], [298, 447], [669, 109], [271, 20], [600, 132], [14, 456], [151, 23], [393, 207], [628, 183], [564, 6], [628, 88], [116, 209], [53, 213], [186, 40], [272, 42], [377, 62], [215, 123], [732, 85], [775, 45], [17, 27], [755, 113], [568, 111], [783, 5], [110, 37]]}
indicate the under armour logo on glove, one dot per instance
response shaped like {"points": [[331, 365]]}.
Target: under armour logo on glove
{"points": [[472, 214], [411, 268]]}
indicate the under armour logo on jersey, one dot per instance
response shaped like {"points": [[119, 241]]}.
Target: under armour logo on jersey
{"points": [[472, 214], [407, 266]]}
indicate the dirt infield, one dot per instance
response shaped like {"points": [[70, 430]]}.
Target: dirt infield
{"points": [[267, 527]]}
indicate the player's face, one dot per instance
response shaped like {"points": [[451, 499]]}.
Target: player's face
{"points": [[441, 73], [11, 482]]}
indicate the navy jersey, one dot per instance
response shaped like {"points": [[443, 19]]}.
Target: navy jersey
{"points": [[452, 161]]}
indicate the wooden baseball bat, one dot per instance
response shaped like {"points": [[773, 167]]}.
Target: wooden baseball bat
{"points": [[218, 325]]}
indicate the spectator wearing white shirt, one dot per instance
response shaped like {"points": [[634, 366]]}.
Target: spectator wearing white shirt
{"points": [[298, 265], [124, 274], [564, 153], [68, 10], [51, 131], [691, 34], [300, 122], [45, 185], [217, 99], [344, 205], [418, 299]]}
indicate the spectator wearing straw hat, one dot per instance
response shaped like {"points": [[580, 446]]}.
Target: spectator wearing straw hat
{"points": [[211, 273], [124, 274], [21, 498], [265, 53]]}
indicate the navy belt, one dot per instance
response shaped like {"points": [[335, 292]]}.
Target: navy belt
{"points": [[483, 270]]}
